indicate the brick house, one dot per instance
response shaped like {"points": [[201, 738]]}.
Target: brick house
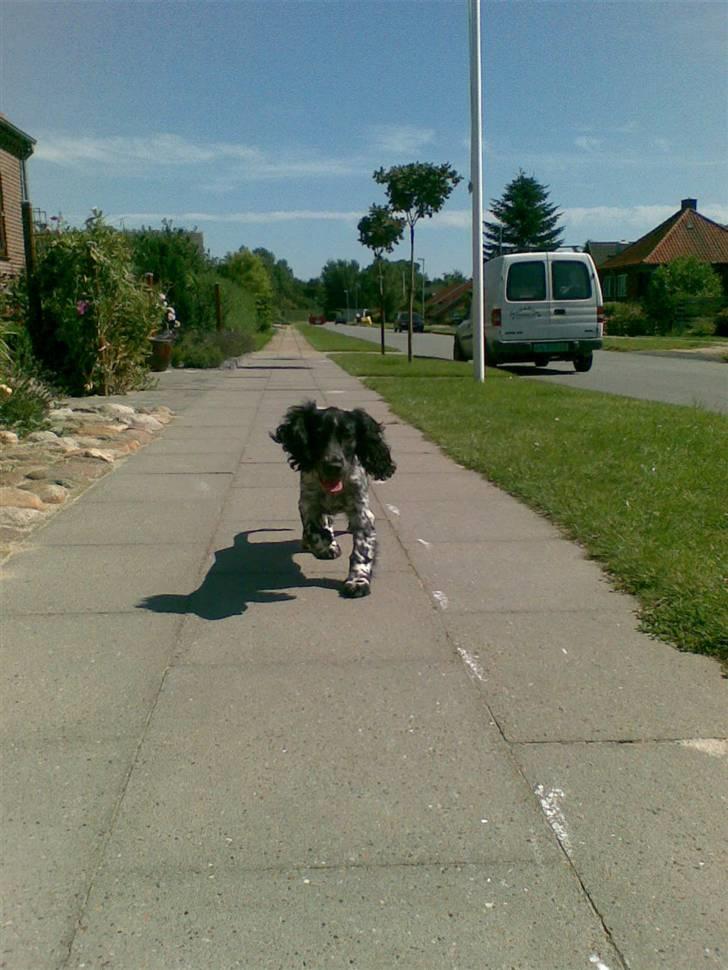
{"points": [[16, 223], [626, 275]]}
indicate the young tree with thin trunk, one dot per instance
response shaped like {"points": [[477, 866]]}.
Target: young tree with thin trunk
{"points": [[380, 231], [416, 191]]}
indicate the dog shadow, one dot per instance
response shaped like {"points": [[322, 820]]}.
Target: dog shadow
{"points": [[246, 572]]}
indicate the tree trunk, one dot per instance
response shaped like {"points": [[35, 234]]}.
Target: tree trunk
{"points": [[381, 305], [411, 292]]}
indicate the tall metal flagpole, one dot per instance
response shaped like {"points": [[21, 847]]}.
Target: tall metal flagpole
{"points": [[476, 182]]}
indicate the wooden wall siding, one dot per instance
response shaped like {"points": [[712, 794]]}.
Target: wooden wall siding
{"points": [[10, 172]]}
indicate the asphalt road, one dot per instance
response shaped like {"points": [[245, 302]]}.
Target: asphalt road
{"points": [[675, 380]]}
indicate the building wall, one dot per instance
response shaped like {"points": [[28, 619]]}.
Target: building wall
{"points": [[10, 174]]}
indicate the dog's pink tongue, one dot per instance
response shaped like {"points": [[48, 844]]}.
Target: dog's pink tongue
{"points": [[333, 488]]}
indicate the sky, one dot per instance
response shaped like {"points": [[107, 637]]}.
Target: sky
{"points": [[260, 122]]}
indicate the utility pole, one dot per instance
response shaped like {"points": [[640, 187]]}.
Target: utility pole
{"points": [[476, 182]]}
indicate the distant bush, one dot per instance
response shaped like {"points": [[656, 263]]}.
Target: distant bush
{"points": [[180, 271], [203, 349], [627, 320]]}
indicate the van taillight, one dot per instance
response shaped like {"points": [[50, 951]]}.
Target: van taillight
{"points": [[495, 317], [601, 319]]}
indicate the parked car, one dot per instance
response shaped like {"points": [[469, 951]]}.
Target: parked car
{"points": [[401, 323], [317, 318], [538, 307], [340, 318]]}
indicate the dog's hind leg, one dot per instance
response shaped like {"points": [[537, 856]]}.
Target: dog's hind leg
{"points": [[363, 552]]}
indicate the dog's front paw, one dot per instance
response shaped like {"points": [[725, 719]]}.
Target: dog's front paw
{"points": [[357, 586], [320, 549], [329, 552]]}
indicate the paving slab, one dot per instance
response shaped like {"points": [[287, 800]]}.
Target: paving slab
{"points": [[196, 441], [126, 485], [57, 804], [264, 504], [495, 917], [272, 474], [97, 579], [513, 575], [133, 522], [210, 462], [418, 485], [81, 677], [293, 633], [646, 826], [588, 675], [249, 546], [442, 520], [376, 764]]}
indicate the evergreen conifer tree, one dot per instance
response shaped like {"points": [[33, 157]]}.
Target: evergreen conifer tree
{"points": [[527, 221]]}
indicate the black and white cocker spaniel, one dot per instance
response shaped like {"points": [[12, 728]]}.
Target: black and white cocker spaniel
{"points": [[336, 451]]}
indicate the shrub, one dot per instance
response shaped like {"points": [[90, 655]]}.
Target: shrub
{"points": [[682, 290], [26, 407], [25, 398], [96, 316], [627, 320], [197, 348], [721, 323]]}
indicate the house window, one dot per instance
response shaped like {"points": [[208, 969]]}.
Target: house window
{"points": [[608, 286], [622, 285], [3, 233]]}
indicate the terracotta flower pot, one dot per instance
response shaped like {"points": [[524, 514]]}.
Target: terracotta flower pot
{"points": [[161, 353]]}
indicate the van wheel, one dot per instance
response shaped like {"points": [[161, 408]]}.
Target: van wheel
{"points": [[541, 361], [457, 350], [583, 364]]}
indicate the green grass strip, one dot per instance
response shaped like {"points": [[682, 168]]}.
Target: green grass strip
{"points": [[327, 341], [641, 485], [633, 345]]}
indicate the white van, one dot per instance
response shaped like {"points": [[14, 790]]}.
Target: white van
{"points": [[538, 307]]}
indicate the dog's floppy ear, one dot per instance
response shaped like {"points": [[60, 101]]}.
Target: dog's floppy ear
{"points": [[371, 447], [294, 434]]}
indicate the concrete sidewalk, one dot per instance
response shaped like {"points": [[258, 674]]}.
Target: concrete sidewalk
{"points": [[212, 760]]}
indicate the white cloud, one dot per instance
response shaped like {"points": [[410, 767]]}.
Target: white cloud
{"points": [[237, 218], [633, 220], [588, 143], [612, 221], [400, 139], [227, 163]]}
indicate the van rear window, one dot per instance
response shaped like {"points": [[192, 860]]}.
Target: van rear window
{"points": [[570, 280], [526, 281]]}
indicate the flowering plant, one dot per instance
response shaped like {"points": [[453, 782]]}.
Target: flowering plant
{"points": [[170, 323]]}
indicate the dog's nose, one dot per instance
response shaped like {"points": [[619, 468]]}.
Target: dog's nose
{"points": [[333, 467]]}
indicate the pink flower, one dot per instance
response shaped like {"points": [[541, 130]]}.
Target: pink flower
{"points": [[82, 306]]}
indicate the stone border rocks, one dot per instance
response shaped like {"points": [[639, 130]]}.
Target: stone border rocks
{"points": [[41, 473]]}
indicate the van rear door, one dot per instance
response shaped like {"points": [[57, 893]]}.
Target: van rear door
{"points": [[574, 297], [525, 309]]}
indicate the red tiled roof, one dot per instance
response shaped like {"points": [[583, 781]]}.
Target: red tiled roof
{"points": [[686, 233], [442, 301], [451, 293]]}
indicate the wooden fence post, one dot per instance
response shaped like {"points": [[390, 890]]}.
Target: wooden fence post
{"points": [[218, 307]]}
